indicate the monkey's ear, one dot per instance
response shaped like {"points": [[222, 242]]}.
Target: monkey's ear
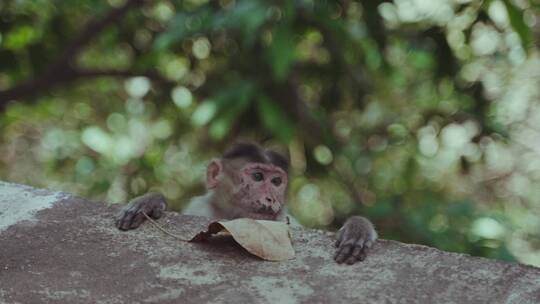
{"points": [[213, 173]]}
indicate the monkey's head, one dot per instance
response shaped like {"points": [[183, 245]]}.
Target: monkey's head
{"points": [[249, 181]]}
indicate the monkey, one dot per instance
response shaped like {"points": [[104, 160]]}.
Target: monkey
{"points": [[249, 181]]}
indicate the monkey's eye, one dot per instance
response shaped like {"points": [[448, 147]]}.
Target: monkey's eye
{"points": [[257, 176], [276, 181]]}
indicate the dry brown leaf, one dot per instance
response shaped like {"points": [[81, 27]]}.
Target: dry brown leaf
{"points": [[269, 240]]}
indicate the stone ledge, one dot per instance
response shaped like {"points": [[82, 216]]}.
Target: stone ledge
{"points": [[57, 248]]}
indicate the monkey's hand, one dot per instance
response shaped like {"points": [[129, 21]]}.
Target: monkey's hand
{"points": [[354, 239], [131, 216]]}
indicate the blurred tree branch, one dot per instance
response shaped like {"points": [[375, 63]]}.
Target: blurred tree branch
{"points": [[338, 62], [62, 69], [375, 24]]}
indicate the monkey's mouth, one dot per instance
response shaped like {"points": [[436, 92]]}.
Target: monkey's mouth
{"points": [[266, 210], [260, 216], [263, 213]]}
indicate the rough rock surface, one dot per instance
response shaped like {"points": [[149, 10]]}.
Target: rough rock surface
{"points": [[56, 248]]}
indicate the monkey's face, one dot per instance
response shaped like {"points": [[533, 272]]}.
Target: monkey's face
{"points": [[260, 191]]}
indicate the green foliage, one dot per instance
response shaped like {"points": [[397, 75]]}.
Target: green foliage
{"points": [[517, 20], [274, 119], [246, 18], [422, 115], [281, 53], [230, 104]]}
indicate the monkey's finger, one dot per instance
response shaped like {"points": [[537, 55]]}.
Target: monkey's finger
{"points": [[355, 255], [357, 251], [351, 260], [342, 253], [138, 219], [156, 213], [125, 221], [117, 222], [362, 255], [119, 217]]}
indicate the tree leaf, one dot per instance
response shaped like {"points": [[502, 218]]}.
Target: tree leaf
{"points": [[518, 23], [281, 52], [269, 240], [184, 25], [231, 102], [274, 119], [247, 17]]}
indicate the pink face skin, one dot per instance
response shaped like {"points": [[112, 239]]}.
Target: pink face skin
{"points": [[265, 188], [260, 191], [255, 190]]}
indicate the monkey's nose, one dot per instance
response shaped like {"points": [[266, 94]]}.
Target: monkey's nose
{"points": [[269, 200]]}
